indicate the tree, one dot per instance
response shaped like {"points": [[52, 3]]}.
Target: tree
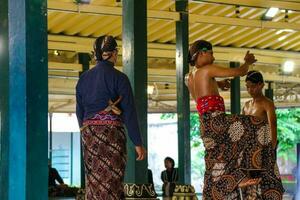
{"points": [[288, 129]]}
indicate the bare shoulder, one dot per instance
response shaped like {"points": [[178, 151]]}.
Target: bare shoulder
{"points": [[268, 104], [247, 103], [246, 107], [187, 78], [201, 72]]}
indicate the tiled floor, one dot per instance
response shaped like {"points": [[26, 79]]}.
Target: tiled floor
{"points": [[286, 197]]}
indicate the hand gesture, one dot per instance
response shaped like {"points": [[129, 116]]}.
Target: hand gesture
{"points": [[249, 58], [141, 152], [224, 84]]}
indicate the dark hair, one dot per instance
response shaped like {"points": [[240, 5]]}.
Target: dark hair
{"points": [[197, 46], [254, 77], [104, 44], [171, 160]]}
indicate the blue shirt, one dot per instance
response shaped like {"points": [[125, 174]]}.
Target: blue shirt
{"points": [[97, 86]]}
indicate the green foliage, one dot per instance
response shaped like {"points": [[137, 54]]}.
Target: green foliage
{"points": [[288, 129], [195, 132], [197, 148], [165, 116], [288, 133]]}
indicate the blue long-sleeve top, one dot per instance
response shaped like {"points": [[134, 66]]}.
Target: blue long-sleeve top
{"points": [[97, 86]]}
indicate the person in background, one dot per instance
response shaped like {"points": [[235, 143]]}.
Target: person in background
{"points": [[169, 178], [150, 176], [55, 189], [104, 104]]}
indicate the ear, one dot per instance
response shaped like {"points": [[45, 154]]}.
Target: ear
{"points": [[261, 85], [115, 53]]}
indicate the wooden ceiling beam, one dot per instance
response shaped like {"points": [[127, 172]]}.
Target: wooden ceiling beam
{"points": [[242, 36], [193, 18], [81, 44], [259, 34], [106, 10], [282, 4], [276, 40], [234, 35], [64, 66], [171, 15]]}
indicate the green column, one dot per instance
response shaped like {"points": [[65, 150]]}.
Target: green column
{"points": [[50, 137], [183, 97], [134, 44], [269, 91], [23, 100], [235, 92], [84, 59]]}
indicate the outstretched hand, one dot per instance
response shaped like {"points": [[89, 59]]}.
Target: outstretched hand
{"points": [[249, 58], [141, 152], [224, 84]]}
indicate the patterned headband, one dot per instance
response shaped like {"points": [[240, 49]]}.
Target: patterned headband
{"points": [[196, 53]]}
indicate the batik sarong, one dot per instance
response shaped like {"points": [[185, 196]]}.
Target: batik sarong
{"points": [[104, 149], [237, 147]]}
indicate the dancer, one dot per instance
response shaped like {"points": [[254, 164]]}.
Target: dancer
{"points": [[264, 109], [104, 104], [227, 138]]}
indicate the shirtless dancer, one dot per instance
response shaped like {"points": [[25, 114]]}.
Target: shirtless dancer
{"points": [[232, 142], [263, 108], [260, 106]]}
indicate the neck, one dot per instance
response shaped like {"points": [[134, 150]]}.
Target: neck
{"points": [[258, 96]]}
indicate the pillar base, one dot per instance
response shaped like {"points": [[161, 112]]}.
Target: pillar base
{"points": [[184, 192], [139, 191], [131, 192]]}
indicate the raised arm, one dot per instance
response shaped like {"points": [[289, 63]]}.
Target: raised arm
{"points": [[218, 71], [224, 84]]}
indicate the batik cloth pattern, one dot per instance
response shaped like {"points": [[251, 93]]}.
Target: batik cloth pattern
{"points": [[104, 149], [235, 144]]}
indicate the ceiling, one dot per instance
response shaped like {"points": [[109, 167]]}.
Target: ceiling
{"points": [[232, 26]]}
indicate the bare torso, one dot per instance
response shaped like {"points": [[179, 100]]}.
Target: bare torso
{"points": [[200, 84], [257, 108]]}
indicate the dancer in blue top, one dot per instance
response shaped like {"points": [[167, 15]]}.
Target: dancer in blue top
{"points": [[105, 104]]}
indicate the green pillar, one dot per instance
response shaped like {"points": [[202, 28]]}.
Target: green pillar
{"points": [[183, 97], [134, 43], [135, 66], [84, 59], [235, 92], [23, 100], [269, 91], [50, 137]]}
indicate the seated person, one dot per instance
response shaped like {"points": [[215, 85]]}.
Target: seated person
{"points": [[169, 178], [150, 177], [55, 189]]}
